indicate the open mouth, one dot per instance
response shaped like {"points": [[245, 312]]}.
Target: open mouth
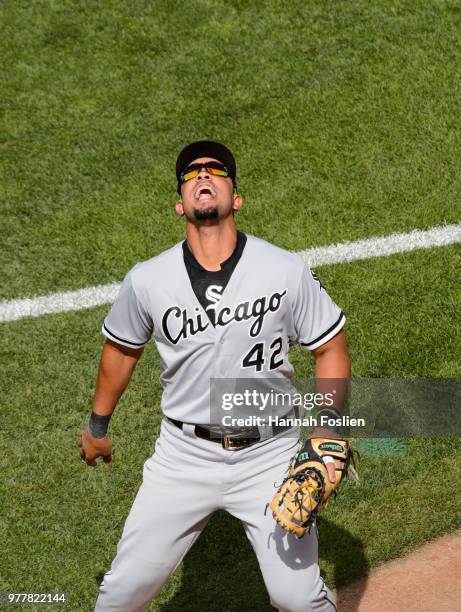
{"points": [[205, 192]]}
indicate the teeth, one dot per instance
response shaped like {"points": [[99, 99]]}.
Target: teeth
{"points": [[204, 192]]}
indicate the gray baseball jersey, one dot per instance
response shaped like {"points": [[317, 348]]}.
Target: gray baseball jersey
{"points": [[271, 301]]}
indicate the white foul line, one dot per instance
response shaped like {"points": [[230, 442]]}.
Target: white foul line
{"points": [[382, 247], [11, 310]]}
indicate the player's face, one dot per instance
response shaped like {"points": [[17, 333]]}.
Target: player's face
{"points": [[207, 197]]}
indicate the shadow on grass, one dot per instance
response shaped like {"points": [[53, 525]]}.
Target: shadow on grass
{"points": [[221, 572], [99, 578], [346, 554]]}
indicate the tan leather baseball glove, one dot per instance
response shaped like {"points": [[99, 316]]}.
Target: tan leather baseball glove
{"points": [[307, 488]]}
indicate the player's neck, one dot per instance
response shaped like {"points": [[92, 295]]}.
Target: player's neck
{"points": [[212, 244]]}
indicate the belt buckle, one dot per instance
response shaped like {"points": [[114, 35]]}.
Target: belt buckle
{"points": [[231, 442]]}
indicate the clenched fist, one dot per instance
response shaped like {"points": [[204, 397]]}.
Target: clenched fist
{"points": [[91, 448]]}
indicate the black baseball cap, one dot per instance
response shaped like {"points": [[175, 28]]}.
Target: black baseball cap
{"points": [[206, 148]]}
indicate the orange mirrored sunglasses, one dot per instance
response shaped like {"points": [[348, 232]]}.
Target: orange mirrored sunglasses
{"points": [[212, 167]]}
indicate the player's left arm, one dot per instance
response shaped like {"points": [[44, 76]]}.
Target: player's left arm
{"points": [[332, 358], [332, 369]]}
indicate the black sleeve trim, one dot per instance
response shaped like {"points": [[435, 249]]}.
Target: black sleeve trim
{"points": [[123, 339], [328, 331]]}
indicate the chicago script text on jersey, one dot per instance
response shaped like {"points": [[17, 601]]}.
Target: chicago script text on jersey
{"points": [[178, 324]]}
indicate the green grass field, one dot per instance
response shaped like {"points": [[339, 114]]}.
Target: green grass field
{"points": [[344, 118]]}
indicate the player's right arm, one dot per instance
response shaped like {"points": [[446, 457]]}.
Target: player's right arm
{"points": [[115, 370], [127, 328], [116, 367]]}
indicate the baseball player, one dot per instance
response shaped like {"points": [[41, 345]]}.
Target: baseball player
{"points": [[221, 304]]}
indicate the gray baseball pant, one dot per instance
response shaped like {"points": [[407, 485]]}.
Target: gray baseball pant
{"points": [[184, 482]]}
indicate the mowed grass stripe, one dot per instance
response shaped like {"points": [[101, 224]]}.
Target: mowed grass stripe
{"points": [[11, 310]]}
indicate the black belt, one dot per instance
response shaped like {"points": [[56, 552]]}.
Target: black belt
{"points": [[234, 441]]}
